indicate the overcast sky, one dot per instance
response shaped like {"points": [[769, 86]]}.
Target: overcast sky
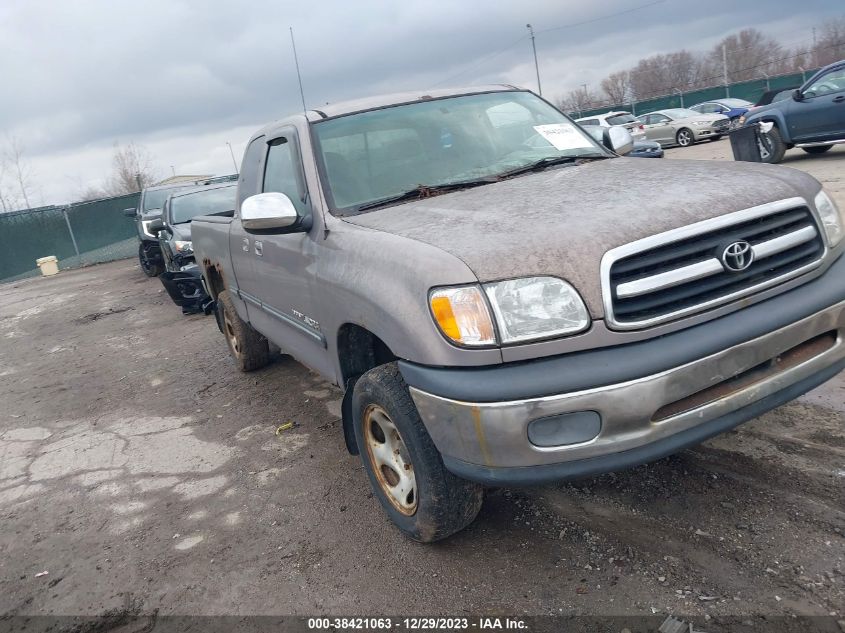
{"points": [[182, 77]]}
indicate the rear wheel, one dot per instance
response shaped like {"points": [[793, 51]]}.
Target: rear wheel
{"points": [[405, 469], [772, 147], [249, 348], [151, 265], [684, 137], [817, 149]]}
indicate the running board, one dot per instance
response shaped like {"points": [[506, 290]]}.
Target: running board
{"points": [[821, 143]]}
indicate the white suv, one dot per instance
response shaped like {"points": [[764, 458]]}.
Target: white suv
{"points": [[618, 118]]}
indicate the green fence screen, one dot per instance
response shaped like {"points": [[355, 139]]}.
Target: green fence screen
{"points": [[77, 234], [748, 90]]}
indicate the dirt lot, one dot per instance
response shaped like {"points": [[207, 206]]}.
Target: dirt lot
{"points": [[143, 472]]}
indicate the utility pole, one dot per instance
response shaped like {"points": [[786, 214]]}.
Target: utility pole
{"points": [[173, 170], [814, 55], [725, 70], [232, 154], [298, 76], [536, 65]]}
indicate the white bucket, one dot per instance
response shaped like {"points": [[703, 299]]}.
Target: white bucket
{"points": [[48, 265]]}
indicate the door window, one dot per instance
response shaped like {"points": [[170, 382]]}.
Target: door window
{"points": [[834, 81], [282, 173], [248, 180]]}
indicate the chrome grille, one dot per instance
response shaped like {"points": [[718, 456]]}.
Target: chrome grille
{"points": [[684, 271]]}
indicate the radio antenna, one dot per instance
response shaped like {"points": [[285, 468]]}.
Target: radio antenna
{"points": [[298, 76], [305, 114]]}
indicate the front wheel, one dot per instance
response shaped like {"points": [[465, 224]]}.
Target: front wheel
{"points": [[151, 265], [817, 149], [772, 147], [684, 137], [406, 472]]}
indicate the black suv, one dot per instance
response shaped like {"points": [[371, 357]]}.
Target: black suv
{"points": [[149, 208], [813, 119], [182, 278]]}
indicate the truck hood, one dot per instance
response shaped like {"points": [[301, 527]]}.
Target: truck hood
{"points": [[560, 222]]}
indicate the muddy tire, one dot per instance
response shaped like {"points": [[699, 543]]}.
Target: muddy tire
{"points": [[406, 472], [818, 149], [684, 137], [772, 147], [149, 265], [249, 348]]}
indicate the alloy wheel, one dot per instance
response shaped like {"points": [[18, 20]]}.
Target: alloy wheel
{"points": [[390, 460]]}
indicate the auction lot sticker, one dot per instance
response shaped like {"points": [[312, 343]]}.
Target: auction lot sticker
{"points": [[562, 136]]}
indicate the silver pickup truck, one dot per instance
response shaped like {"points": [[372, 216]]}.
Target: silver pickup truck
{"points": [[505, 300]]}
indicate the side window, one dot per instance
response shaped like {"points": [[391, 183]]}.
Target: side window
{"points": [[834, 81], [250, 168], [708, 108], [589, 122], [282, 172], [659, 118]]}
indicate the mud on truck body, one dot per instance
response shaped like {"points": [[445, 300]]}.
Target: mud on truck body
{"points": [[505, 300]]}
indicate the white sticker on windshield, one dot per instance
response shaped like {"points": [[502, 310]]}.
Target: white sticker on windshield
{"points": [[562, 136]]}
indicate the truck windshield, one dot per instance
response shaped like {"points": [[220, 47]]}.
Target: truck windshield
{"points": [[380, 154], [154, 199], [186, 207]]}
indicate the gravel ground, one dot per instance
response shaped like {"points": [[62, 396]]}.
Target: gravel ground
{"points": [[143, 472]]}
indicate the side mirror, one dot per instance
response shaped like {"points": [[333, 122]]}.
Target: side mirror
{"points": [[129, 213], [271, 210], [156, 226], [797, 96], [619, 140]]}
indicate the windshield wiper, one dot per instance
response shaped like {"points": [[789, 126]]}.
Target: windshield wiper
{"points": [[549, 161], [427, 191]]}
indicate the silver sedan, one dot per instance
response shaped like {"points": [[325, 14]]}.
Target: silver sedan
{"points": [[679, 126]]}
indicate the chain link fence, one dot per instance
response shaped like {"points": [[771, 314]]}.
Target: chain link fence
{"points": [[748, 90], [79, 234]]}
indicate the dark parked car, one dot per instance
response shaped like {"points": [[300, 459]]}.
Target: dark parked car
{"points": [[771, 96], [646, 149], [181, 277], [813, 119], [149, 208], [731, 108]]}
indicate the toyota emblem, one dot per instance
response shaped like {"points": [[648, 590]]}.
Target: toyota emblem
{"points": [[737, 256]]}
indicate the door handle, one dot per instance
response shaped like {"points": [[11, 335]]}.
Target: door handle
{"points": [[839, 99], [246, 245], [259, 248]]}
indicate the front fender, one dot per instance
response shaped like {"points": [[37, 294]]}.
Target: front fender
{"points": [[380, 282], [774, 116]]}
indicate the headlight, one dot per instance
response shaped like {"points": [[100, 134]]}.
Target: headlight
{"points": [[524, 310], [184, 247], [832, 220], [462, 315], [536, 307], [703, 123]]}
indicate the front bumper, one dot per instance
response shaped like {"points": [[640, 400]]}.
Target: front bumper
{"points": [[648, 416], [711, 131], [186, 289]]}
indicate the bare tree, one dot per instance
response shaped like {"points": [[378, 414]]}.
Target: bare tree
{"points": [[747, 55], [132, 170], [579, 100], [16, 189], [617, 87], [830, 46]]}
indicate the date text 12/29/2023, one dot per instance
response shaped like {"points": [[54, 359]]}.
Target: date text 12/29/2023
{"points": [[415, 624]]}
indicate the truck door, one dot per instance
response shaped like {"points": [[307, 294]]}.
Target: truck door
{"points": [[820, 115], [241, 253], [284, 263]]}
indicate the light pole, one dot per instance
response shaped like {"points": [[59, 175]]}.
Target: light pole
{"points": [[536, 65], [232, 154]]}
